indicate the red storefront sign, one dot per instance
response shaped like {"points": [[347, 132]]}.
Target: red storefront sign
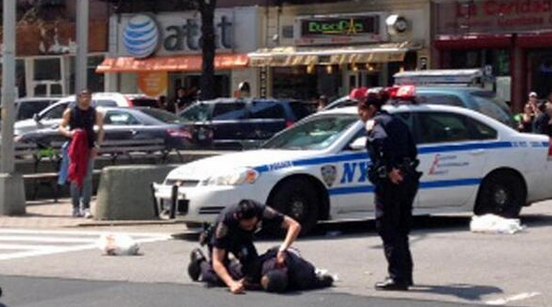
{"points": [[493, 16]]}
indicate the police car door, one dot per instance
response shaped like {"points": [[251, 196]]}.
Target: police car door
{"points": [[451, 159], [352, 193]]}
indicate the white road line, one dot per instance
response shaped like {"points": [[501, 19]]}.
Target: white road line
{"points": [[46, 239], [517, 297], [78, 244], [25, 246], [77, 232]]}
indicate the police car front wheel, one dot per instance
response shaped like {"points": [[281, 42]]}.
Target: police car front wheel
{"points": [[501, 193], [298, 199]]}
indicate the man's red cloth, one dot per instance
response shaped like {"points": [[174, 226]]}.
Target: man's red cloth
{"points": [[79, 154]]}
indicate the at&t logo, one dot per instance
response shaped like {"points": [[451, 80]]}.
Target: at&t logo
{"points": [[141, 36]]}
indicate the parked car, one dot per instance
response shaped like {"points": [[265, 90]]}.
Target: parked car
{"points": [[128, 124], [244, 123], [26, 107], [477, 99], [51, 116], [316, 170]]}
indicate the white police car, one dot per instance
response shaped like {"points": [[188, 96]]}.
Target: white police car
{"points": [[317, 170]]}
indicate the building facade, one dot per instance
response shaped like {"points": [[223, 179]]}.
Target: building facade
{"points": [[158, 53], [329, 48], [510, 38], [46, 47]]}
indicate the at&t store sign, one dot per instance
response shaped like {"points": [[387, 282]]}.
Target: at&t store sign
{"points": [[144, 35]]}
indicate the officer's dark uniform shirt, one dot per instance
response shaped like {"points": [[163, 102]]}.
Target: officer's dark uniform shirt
{"points": [[389, 142], [85, 120], [228, 233]]}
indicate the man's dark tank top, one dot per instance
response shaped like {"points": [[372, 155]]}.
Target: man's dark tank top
{"points": [[84, 119]]}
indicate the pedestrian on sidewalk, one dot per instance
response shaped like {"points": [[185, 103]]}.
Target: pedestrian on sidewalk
{"points": [[78, 125]]}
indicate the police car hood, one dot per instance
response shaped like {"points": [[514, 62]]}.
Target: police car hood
{"points": [[227, 163]]}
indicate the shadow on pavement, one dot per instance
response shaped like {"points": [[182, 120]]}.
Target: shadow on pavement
{"points": [[463, 291], [352, 229], [536, 220]]}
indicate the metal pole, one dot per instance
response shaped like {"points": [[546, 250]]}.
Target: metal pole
{"points": [[8, 87], [12, 191], [82, 45]]}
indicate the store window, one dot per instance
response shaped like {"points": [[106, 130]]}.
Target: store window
{"points": [[20, 81], [497, 59], [295, 82], [47, 77], [95, 81]]}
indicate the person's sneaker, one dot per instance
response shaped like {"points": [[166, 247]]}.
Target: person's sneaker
{"points": [[87, 214], [194, 268], [325, 280], [77, 212]]}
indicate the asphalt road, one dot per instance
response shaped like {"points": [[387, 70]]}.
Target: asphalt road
{"points": [[55, 292], [452, 265]]}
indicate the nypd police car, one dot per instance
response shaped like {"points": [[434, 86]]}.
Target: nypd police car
{"points": [[317, 170]]}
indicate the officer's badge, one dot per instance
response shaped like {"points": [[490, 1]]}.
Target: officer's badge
{"points": [[329, 174]]}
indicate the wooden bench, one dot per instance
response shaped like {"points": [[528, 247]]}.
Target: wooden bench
{"points": [[112, 149], [130, 148]]}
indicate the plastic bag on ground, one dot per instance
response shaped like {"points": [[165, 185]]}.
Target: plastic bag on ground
{"points": [[490, 223], [118, 245]]}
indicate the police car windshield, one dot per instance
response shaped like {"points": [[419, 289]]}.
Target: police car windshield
{"points": [[317, 133]]}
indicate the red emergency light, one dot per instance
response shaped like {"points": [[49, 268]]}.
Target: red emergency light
{"points": [[403, 92]]}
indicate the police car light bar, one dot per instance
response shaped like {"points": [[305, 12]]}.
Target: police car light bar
{"points": [[403, 92]]}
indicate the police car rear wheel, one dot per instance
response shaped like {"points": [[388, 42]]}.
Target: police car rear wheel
{"points": [[297, 198], [501, 193]]}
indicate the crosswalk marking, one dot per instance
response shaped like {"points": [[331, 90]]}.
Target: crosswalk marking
{"points": [[22, 243]]}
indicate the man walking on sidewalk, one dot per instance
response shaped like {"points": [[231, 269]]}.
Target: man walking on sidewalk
{"points": [[78, 125]]}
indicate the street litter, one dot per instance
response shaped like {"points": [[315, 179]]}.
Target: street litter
{"points": [[490, 223], [118, 245]]}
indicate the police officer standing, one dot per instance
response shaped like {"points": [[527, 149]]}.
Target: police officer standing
{"points": [[233, 233], [393, 172]]}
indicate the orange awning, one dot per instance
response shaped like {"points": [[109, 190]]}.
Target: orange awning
{"points": [[177, 63]]}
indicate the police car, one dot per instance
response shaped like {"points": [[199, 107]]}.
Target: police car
{"points": [[317, 170]]}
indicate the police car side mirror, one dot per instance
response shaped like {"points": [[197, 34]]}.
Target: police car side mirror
{"points": [[358, 144]]}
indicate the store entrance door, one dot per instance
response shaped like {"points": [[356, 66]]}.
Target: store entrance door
{"points": [[360, 78], [540, 73]]}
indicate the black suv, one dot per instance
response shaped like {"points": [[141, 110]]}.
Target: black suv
{"points": [[243, 123]]}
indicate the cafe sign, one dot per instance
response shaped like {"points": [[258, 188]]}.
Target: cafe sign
{"points": [[339, 30]]}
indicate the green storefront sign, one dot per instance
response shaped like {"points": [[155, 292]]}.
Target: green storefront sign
{"points": [[340, 26]]}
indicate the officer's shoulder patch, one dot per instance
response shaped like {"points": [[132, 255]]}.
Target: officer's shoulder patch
{"points": [[221, 231], [269, 213]]}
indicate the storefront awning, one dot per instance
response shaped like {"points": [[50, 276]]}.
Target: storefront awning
{"points": [[292, 56], [177, 63]]}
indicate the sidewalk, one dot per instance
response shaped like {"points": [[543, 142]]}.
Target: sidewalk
{"points": [[47, 214]]}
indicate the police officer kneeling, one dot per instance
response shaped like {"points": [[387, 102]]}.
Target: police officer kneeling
{"points": [[233, 233], [393, 172]]}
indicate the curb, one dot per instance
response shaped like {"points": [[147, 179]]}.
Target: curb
{"points": [[129, 223]]}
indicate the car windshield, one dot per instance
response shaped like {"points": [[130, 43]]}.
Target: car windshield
{"points": [[492, 106], [164, 116], [196, 113], [316, 133]]}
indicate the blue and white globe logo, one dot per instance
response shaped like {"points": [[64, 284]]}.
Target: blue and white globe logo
{"points": [[141, 36]]}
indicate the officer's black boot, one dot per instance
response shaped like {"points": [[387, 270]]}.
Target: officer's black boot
{"points": [[391, 285], [194, 268]]}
